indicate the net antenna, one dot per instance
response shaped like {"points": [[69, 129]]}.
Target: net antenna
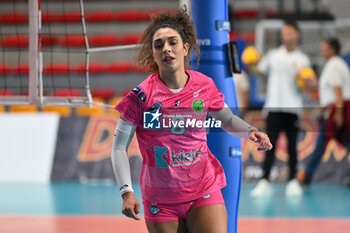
{"points": [[36, 83]]}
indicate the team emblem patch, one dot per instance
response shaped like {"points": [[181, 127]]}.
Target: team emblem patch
{"points": [[142, 96], [198, 105], [154, 210], [155, 107], [136, 90], [139, 93]]}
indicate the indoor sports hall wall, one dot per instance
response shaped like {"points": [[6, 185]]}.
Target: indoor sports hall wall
{"points": [[27, 147], [42, 147]]}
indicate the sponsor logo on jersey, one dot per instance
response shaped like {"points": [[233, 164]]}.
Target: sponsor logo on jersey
{"points": [[179, 122], [185, 159], [153, 209], [139, 93], [136, 90], [177, 158], [207, 196], [198, 105], [195, 94], [142, 96], [124, 186], [155, 107], [151, 120]]}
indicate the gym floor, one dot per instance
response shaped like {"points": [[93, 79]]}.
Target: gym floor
{"points": [[96, 207]]}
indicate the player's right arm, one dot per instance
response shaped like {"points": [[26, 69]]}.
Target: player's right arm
{"points": [[123, 135], [239, 128]]}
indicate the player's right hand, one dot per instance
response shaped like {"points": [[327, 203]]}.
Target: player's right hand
{"points": [[131, 206], [261, 139]]}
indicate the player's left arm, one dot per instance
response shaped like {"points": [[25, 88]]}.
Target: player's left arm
{"points": [[238, 127]]}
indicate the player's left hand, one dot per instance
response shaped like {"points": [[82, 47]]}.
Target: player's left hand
{"points": [[261, 139]]}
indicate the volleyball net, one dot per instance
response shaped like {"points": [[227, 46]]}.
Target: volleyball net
{"points": [[59, 52], [48, 56]]}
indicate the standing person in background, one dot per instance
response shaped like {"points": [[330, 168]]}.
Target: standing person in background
{"points": [[283, 105], [334, 94], [181, 180]]}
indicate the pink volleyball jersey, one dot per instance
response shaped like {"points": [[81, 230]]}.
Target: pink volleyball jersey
{"points": [[177, 164]]}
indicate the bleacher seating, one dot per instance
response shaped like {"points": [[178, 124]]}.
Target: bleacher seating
{"points": [[103, 93], [121, 67], [69, 17], [99, 16], [26, 93], [21, 69], [249, 37], [65, 32], [7, 92], [11, 17], [21, 41], [63, 68], [131, 16], [104, 40], [48, 17], [57, 69], [15, 41], [49, 40], [94, 68], [72, 41], [66, 92], [245, 14], [5, 69], [130, 38]]}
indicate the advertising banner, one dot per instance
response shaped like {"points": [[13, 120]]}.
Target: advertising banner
{"points": [[84, 144]]}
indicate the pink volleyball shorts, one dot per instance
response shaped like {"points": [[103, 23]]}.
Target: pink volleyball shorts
{"points": [[159, 212]]}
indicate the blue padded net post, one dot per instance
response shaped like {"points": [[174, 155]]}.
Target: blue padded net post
{"points": [[211, 20]]}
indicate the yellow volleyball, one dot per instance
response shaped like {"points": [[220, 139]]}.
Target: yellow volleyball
{"points": [[250, 55], [306, 75]]}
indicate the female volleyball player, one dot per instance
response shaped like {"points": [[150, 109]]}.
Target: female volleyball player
{"points": [[181, 180]]}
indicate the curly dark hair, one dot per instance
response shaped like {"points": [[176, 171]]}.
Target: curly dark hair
{"points": [[182, 23]]}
